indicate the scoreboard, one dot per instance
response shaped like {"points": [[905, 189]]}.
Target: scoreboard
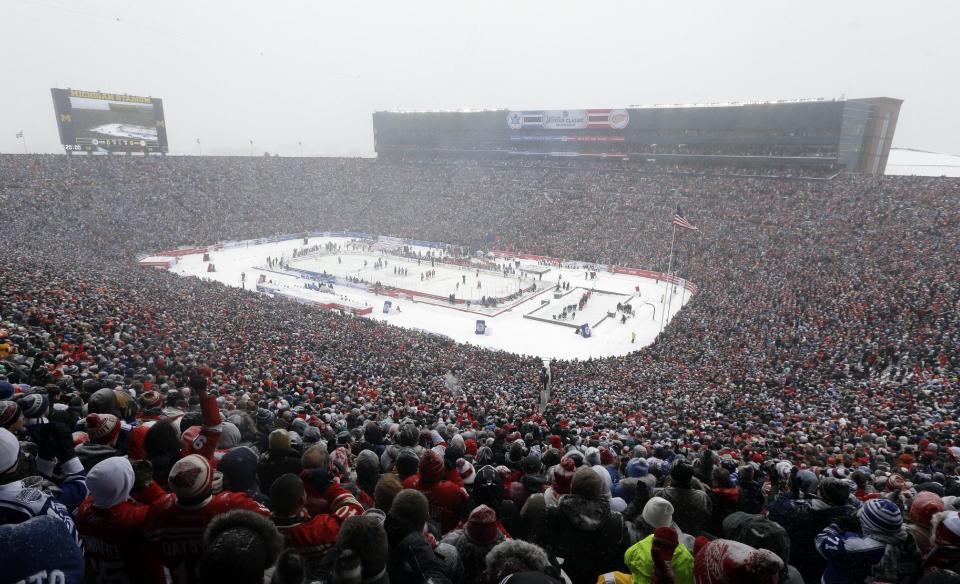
{"points": [[94, 121]]}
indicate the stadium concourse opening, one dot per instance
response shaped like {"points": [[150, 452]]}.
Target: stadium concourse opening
{"points": [[525, 304]]}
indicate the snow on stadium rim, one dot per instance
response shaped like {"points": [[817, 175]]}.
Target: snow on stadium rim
{"points": [[528, 318]]}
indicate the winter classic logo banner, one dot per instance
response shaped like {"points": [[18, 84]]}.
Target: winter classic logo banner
{"points": [[611, 119]]}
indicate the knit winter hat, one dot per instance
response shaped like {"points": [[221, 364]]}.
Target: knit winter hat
{"points": [[368, 464], [924, 506], [563, 475], [481, 526], [880, 516], [587, 484], [9, 413], [279, 440], [34, 405], [637, 467], [591, 456], [151, 399], [239, 467], [658, 512], [531, 464], [9, 450], [229, 436], [110, 482], [467, 474], [37, 549], [191, 478], [102, 428], [723, 561], [407, 462], [431, 467], [947, 528]]}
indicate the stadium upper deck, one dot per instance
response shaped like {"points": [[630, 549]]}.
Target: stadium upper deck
{"points": [[853, 134]]}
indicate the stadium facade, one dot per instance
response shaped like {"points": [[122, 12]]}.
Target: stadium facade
{"points": [[848, 134]]}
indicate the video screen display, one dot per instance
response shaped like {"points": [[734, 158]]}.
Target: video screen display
{"points": [[93, 121]]}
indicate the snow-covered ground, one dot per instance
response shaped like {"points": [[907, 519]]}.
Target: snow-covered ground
{"points": [[921, 163], [507, 329]]}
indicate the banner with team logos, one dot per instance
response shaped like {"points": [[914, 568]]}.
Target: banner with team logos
{"points": [[588, 119]]}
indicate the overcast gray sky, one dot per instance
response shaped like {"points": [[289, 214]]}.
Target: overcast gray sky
{"points": [[313, 71]]}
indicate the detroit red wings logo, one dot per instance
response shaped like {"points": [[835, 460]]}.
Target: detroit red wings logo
{"points": [[186, 478]]}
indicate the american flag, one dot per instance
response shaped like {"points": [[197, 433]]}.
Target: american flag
{"points": [[681, 222], [20, 134]]}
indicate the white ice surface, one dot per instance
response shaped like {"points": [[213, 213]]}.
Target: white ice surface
{"points": [[508, 331]]}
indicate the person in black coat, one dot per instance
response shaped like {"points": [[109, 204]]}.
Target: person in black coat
{"points": [[583, 531], [279, 460]]}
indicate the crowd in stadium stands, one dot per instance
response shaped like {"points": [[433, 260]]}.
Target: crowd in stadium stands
{"points": [[795, 422]]}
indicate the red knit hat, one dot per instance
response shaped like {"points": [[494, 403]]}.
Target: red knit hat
{"points": [[481, 526], [470, 447], [102, 428], [563, 475], [431, 467]]}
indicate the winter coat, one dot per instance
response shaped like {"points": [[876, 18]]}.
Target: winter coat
{"points": [[410, 558], [527, 485], [724, 502], [589, 537], [90, 454], [804, 519], [639, 558], [472, 556], [275, 463], [692, 508], [854, 557]]}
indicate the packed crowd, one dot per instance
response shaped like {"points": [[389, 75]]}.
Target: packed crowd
{"points": [[795, 422]]}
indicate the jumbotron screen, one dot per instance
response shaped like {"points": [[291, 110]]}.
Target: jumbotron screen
{"points": [[93, 121]]}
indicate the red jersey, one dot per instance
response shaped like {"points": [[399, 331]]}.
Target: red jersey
{"points": [[311, 538], [113, 542], [175, 534]]}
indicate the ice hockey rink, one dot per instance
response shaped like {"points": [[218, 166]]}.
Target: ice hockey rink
{"points": [[535, 317]]}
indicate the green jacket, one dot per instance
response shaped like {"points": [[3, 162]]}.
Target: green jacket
{"points": [[639, 558]]}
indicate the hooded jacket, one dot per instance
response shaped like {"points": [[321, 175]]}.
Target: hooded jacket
{"points": [[639, 558], [589, 537]]}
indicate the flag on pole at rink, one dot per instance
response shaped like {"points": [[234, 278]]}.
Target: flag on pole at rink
{"points": [[681, 222]]}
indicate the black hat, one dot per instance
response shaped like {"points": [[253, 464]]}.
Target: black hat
{"points": [[240, 546]]}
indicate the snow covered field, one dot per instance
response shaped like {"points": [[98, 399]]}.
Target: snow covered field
{"points": [[508, 329], [921, 163]]}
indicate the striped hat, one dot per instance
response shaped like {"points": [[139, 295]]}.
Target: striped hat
{"points": [[9, 413], [880, 516], [191, 478], [34, 405], [151, 399], [102, 428]]}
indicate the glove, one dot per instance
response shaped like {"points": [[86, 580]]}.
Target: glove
{"points": [[63, 441], [198, 383], [42, 435], [794, 481], [319, 478], [142, 474]]}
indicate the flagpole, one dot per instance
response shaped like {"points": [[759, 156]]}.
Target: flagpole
{"points": [[24, 138], [673, 240]]}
